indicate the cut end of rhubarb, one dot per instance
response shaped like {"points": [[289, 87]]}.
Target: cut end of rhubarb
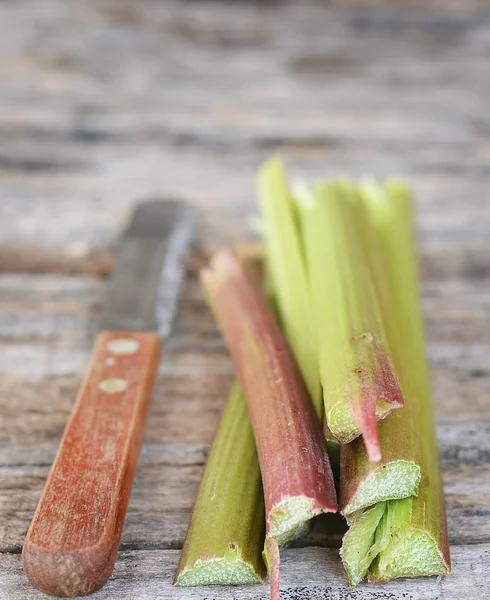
{"points": [[288, 519], [221, 265], [382, 545], [358, 546], [391, 481], [230, 569], [342, 425], [414, 555]]}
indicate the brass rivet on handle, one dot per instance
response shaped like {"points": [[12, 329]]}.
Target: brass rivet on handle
{"points": [[113, 385], [123, 346]]}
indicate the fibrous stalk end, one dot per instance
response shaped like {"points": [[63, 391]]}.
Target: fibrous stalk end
{"points": [[391, 481], [229, 569]]}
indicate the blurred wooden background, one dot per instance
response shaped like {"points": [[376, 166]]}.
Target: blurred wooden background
{"points": [[105, 102]]}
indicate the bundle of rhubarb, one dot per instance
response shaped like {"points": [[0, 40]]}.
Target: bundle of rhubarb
{"points": [[329, 352]]}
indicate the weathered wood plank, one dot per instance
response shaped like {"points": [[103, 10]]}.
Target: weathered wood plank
{"points": [[306, 574], [37, 260], [334, 89]]}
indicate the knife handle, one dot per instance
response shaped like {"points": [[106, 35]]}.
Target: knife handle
{"points": [[72, 543]]}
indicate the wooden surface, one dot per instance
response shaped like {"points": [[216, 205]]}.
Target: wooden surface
{"points": [[103, 102], [72, 543]]}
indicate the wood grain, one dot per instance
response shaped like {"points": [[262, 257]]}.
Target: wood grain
{"points": [[72, 543], [307, 574], [104, 102]]}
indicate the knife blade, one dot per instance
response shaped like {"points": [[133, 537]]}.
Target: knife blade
{"points": [[71, 546]]}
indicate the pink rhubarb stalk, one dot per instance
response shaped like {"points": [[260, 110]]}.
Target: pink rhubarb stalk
{"points": [[296, 473]]}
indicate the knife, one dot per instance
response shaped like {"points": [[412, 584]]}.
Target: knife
{"points": [[72, 543]]}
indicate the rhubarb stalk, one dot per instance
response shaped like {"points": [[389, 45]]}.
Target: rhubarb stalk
{"points": [[403, 537], [296, 473], [360, 385], [225, 537], [397, 474], [286, 276]]}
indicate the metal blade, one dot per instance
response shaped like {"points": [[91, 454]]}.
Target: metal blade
{"points": [[148, 268]]}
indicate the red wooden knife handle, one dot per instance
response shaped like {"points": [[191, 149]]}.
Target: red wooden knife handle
{"points": [[72, 543]]}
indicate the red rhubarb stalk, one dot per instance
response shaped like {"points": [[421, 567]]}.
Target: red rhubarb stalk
{"points": [[296, 473]]}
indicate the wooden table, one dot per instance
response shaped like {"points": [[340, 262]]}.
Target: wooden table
{"points": [[104, 102]]}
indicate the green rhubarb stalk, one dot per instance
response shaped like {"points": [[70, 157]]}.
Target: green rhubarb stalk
{"points": [[422, 547], [296, 474], [287, 279], [226, 533], [397, 475], [402, 537], [360, 385]]}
